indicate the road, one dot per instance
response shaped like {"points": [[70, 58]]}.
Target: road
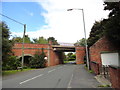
{"points": [[60, 76]]}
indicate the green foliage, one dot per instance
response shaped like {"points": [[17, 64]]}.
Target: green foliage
{"points": [[53, 40], [40, 40], [113, 24], [10, 72], [6, 43], [71, 57], [27, 39], [81, 42], [17, 39], [38, 60], [97, 32], [107, 27], [20, 40], [11, 64], [104, 86]]}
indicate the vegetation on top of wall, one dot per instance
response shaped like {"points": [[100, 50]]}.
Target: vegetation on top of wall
{"points": [[81, 42], [107, 27]]}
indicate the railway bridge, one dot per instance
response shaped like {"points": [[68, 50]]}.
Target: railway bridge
{"points": [[54, 53]]}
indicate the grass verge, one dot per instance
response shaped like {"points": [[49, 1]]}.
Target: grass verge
{"points": [[90, 71], [104, 86], [9, 72]]}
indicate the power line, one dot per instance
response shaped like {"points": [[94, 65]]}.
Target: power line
{"points": [[23, 36], [12, 19]]}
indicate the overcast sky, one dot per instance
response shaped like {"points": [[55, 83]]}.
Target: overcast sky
{"points": [[50, 18]]}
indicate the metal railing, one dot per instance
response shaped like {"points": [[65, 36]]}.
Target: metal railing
{"points": [[104, 71]]}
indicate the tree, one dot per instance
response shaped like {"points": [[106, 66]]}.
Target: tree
{"points": [[6, 43], [53, 40], [113, 24], [40, 40], [20, 40], [71, 56], [81, 42], [97, 31], [17, 39], [8, 61], [107, 27]]}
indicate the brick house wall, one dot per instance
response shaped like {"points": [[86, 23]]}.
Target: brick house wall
{"points": [[104, 45], [115, 76]]}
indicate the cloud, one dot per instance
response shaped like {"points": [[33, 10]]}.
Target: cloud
{"points": [[28, 12], [68, 26]]}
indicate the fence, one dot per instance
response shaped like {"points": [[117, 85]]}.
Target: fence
{"points": [[104, 71]]}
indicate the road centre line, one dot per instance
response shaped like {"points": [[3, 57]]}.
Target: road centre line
{"points": [[37, 76], [70, 81], [51, 70], [31, 79]]}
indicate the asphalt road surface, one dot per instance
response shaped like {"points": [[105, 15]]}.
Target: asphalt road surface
{"points": [[60, 76]]}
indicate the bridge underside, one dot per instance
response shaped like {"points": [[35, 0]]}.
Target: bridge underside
{"points": [[80, 52], [59, 48]]}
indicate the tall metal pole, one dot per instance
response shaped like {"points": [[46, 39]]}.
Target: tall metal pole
{"points": [[87, 57], [23, 46], [86, 46]]}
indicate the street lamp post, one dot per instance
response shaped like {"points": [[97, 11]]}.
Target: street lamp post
{"points": [[23, 36], [87, 57]]}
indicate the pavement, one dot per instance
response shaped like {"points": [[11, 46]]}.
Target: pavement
{"points": [[101, 79], [60, 76]]}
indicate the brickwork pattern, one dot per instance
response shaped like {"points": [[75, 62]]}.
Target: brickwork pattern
{"points": [[95, 67], [104, 45], [55, 58], [115, 77], [80, 53]]}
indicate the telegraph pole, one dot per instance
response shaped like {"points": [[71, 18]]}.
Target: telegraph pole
{"points": [[22, 63]]}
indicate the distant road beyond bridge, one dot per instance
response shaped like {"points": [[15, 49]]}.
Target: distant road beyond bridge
{"points": [[54, 53]]}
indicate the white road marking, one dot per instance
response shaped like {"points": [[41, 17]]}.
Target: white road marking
{"points": [[31, 78], [51, 70], [70, 81]]}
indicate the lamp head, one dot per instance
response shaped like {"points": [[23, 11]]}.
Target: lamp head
{"points": [[69, 9]]}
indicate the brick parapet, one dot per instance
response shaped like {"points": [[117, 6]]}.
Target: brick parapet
{"points": [[115, 77]]}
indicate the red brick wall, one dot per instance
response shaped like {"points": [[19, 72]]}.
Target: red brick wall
{"points": [[55, 57], [115, 77], [28, 48], [95, 67], [80, 53], [101, 45]]}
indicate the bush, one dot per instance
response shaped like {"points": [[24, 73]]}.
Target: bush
{"points": [[11, 64], [38, 60]]}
